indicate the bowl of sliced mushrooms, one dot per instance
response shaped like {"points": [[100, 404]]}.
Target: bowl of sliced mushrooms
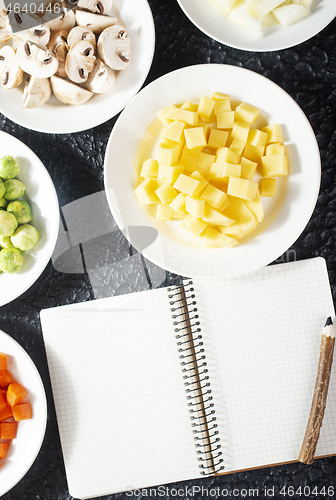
{"points": [[77, 70]]}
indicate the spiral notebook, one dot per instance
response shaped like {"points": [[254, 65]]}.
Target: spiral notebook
{"points": [[175, 383]]}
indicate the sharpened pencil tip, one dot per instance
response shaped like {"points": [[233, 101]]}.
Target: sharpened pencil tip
{"points": [[328, 322]]}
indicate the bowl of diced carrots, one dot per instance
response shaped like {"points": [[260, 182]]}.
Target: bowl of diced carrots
{"points": [[23, 412]]}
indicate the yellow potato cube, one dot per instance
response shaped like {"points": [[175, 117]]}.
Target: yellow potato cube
{"points": [[189, 117], [212, 216], [166, 193], [164, 212], [274, 132], [248, 168], [171, 113], [257, 137], [247, 113], [267, 187], [239, 212], [203, 182], [169, 174], [218, 96], [274, 165], [216, 175], [226, 154], [189, 158], [178, 204], [195, 206], [194, 225], [242, 188], [222, 106], [195, 137], [145, 192], [240, 131], [169, 153], [253, 153], [149, 168], [162, 116], [206, 129], [276, 148], [252, 227], [231, 170], [174, 132], [189, 106], [237, 146], [204, 162], [215, 197], [256, 207], [216, 239], [233, 231], [205, 107], [177, 215], [225, 120], [187, 185], [217, 138]]}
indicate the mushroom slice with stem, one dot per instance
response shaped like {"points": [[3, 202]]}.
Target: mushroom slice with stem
{"points": [[35, 61], [58, 45], [64, 22], [80, 61], [39, 35], [68, 92], [95, 22], [114, 47], [10, 71], [101, 79], [96, 6], [36, 92], [81, 33]]}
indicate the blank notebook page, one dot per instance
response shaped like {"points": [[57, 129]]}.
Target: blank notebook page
{"points": [[119, 394], [262, 337]]}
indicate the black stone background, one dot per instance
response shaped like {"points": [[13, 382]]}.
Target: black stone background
{"points": [[75, 162]]}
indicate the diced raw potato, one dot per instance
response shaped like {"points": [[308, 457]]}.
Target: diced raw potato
{"points": [[206, 129], [204, 162], [178, 215], [170, 174], [256, 207], [189, 106], [289, 14], [247, 113], [257, 137], [242, 188], [215, 239], [189, 117], [212, 216], [216, 175], [274, 132], [195, 206], [171, 113], [178, 204], [217, 138], [227, 5], [189, 158], [145, 192], [231, 170], [262, 7], [187, 185], [166, 193], [203, 182], [194, 225], [162, 116], [240, 131], [237, 146], [218, 96], [277, 148], [241, 14], [233, 231], [164, 212], [267, 187], [252, 227], [169, 153], [225, 120], [239, 212], [274, 165], [205, 107], [222, 106], [174, 132], [149, 168], [195, 137], [225, 154], [248, 168], [254, 153], [215, 197]]}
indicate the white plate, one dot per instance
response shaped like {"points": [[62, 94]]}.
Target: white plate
{"points": [[41, 195], [210, 19], [285, 216], [58, 118], [25, 447]]}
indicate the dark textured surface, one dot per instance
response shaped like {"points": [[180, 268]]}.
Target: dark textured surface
{"points": [[308, 73]]}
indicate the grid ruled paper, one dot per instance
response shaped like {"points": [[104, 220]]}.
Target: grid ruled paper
{"points": [[119, 394], [262, 337]]}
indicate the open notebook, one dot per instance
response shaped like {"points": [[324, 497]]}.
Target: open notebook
{"points": [[130, 416]]}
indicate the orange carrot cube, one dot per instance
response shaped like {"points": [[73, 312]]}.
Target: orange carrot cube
{"points": [[3, 400], [6, 413], [5, 378], [22, 411], [15, 393], [3, 449], [8, 430], [3, 361]]}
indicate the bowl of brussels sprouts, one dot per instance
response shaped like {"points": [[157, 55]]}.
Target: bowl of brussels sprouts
{"points": [[29, 218]]}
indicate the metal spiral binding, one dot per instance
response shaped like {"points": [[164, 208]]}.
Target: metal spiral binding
{"points": [[195, 373]]}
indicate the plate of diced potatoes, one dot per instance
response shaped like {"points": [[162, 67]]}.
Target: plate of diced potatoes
{"points": [[221, 162], [260, 25]]}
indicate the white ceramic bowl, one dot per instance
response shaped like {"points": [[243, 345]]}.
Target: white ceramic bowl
{"points": [[286, 215], [210, 19], [58, 118], [25, 447], [41, 195]]}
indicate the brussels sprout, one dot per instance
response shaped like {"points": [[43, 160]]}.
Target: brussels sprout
{"points": [[5, 242], [11, 260], [14, 189], [8, 223], [21, 210], [2, 190], [3, 202], [25, 237], [8, 167]]}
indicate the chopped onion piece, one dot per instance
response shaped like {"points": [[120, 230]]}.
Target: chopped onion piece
{"points": [[289, 14]]}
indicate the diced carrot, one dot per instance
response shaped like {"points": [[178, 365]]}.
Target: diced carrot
{"points": [[8, 430], [6, 413], [3, 449], [3, 400], [5, 378], [15, 393], [22, 411], [3, 361]]}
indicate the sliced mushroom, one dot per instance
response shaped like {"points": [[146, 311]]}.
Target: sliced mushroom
{"points": [[114, 47], [95, 22], [23, 21], [39, 35], [36, 92], [68, 92], [10, 71], [80, 61], [35, 61], [97, 6], [65, 22], [81, 33], [101, 79], [59, 46]]}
